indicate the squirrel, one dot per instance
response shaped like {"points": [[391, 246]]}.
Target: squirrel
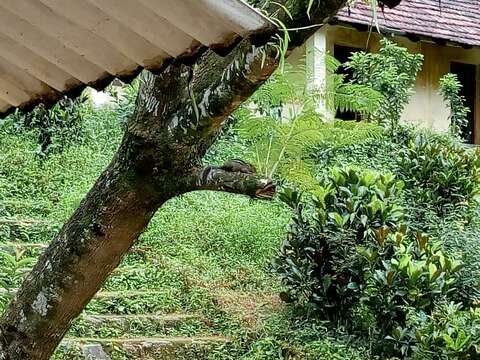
{"points": [[237, 165]]}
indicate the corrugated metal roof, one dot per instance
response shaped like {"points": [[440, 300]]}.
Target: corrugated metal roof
{"points": [[457, 21], [49, 48]]}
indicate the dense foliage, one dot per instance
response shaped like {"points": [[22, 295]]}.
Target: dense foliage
{"points": [[317, 259], [55, 128], [370, 251], [448, 333], [355, 254], [450, 89], [393, 72], [440, 175]]}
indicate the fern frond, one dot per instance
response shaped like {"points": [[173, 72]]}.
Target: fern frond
{"points": [[282, 144], [300, 173], [254, 127], [358, 98]]}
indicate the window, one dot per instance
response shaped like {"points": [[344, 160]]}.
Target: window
{"points": [[342, 54], [467, 75]]}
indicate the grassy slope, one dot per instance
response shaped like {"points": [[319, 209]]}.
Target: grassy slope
{"points": [[204, 256], [204, 253]]}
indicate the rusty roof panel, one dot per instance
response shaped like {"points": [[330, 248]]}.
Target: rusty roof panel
{"points": [[49, 48], [457, 21]]}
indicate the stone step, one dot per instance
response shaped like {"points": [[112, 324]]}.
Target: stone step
{"points": [[100, 318], [120, 277], [27, 249], [132, 302], [28, 230], [105, 294], [166, 300], [17, 222], [159, 301], [109, 326], [40, 245], [152, 348], [34, 249], [23, 245], [125, 294]]}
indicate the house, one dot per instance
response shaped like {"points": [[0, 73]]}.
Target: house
{"points": [[446, 32]]}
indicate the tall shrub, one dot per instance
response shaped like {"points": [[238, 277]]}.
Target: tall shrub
{"points": [[450, 89], [317, 260], [349, 257], [393, 72], [440, 175]]}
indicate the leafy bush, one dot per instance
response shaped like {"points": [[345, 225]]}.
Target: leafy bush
{"points": [[439, 175], [392, 72], [372, 152], [401, 275], [56, 128], [461, 240], [450, 88], [316, 261], [349, 257], [448, 333]]}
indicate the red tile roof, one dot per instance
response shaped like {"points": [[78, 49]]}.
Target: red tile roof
{"points": [[451, 20]]}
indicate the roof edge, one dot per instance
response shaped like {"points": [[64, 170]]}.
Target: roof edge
{"points": [[410, 36]]}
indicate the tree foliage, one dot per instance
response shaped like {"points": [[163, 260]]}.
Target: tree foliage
{"points": [[450, 89], [351, 258], [393, 72], [56, 128]]}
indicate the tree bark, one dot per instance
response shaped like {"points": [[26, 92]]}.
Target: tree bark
{"points": [[178, 115], [237, 182]]}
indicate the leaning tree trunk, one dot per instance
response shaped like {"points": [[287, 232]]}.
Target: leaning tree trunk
{"points": [[178, 115]]}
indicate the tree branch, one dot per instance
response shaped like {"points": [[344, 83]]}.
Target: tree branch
{"points": [[235, 177]]}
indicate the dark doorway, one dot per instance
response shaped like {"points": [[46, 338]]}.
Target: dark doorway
{"points": [[342, 54], [467, 75]]}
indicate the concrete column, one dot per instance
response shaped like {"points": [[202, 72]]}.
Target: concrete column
{"points": [[477, 109], [317, 48]]}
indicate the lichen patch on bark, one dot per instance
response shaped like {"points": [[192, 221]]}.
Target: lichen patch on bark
{"points": [[40, 305]]}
